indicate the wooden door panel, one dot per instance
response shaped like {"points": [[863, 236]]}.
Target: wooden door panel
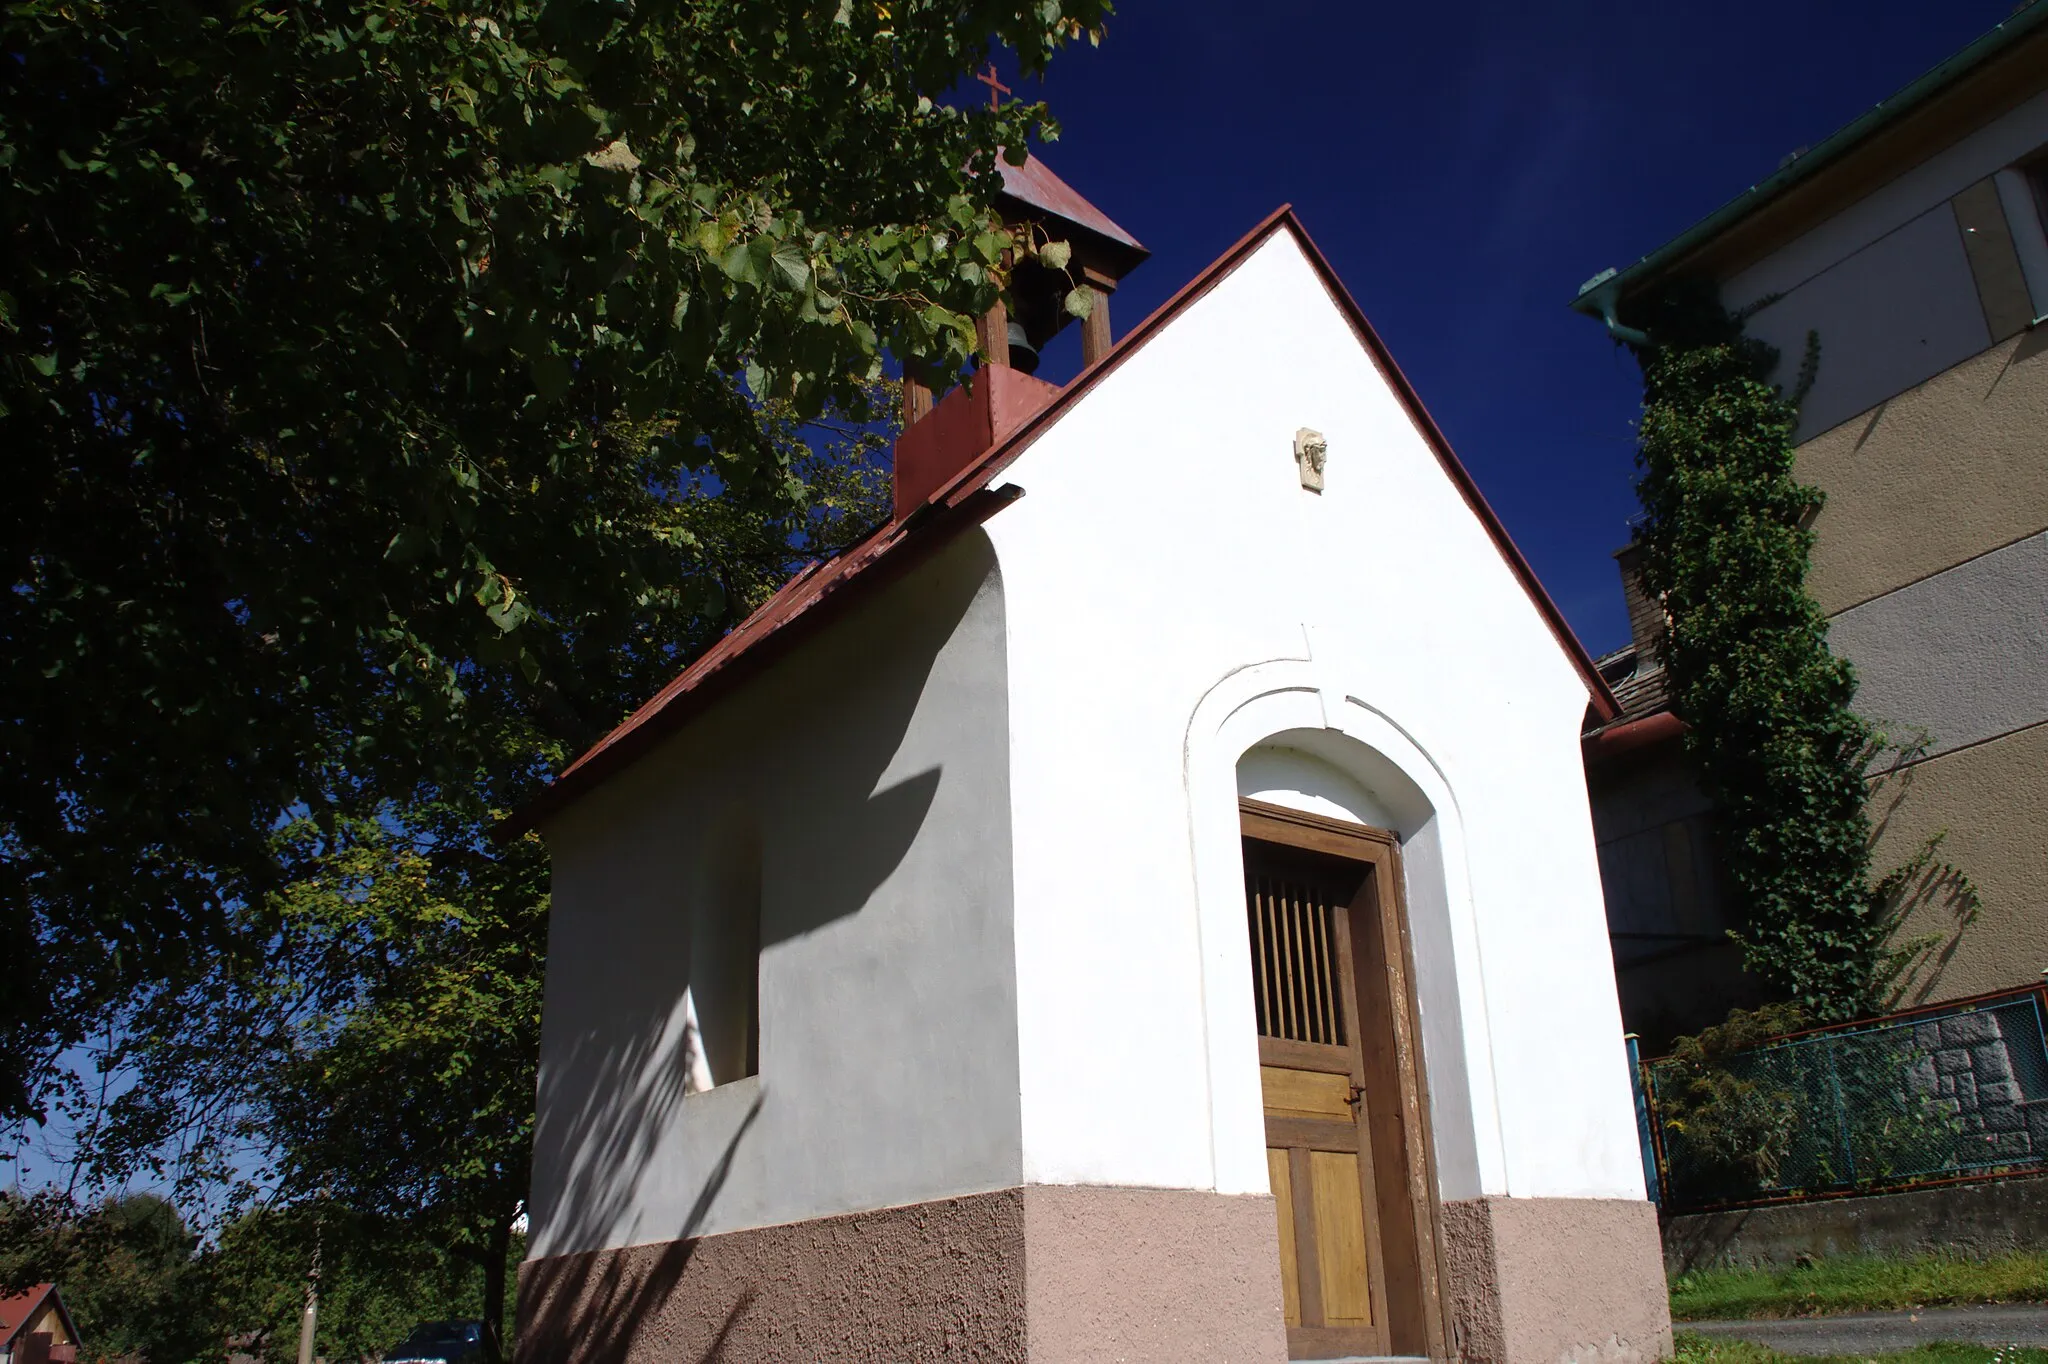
{"points": [[1283, 1195], [1344, 1267], [1306, 1094]]}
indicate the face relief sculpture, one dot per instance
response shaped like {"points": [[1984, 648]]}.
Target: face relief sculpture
{"points": [[1311, 452]]}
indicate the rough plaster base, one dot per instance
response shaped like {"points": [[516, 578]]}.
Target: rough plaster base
{"points": [[1163, 1275], [1049, 1275], [1556, 1280]]}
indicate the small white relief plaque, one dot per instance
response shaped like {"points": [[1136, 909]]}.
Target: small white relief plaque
{"points": [[1311, 452]]}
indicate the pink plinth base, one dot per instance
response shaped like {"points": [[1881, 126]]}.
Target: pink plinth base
{"points": [[1557, 1281], [1036, 1275], [1079, 1275]]}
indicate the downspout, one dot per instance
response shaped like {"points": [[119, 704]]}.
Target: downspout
{"points": [[1599, 297]]}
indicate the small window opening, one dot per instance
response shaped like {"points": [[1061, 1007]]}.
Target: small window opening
{"points": [[725, 964]]}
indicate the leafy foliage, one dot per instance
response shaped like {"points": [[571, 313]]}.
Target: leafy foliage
{"points": [[378, 1278], [1734, 1123], [1791, 768], [331, 341], [374, 1058], [409, 1094], [376, 1030], [1747, 1112], [126, 1270], [140, 1286], [1767, 707], [363, 1056]]}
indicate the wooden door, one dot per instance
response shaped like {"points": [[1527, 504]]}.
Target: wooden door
{"points": [[1346, 1145]]}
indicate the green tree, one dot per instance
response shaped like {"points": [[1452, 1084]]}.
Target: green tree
{"points": [[365, 1052], [330, 336], [377, 1279], [126, 1267], [408, 1094]]}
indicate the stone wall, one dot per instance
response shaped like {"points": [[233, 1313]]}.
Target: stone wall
{"points": [[1980, 1218], [1969, 1066]]}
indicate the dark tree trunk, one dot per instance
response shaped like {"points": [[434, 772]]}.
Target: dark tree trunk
{"points": [[494, 1294]]}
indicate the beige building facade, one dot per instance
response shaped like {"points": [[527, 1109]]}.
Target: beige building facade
{"points": [[1911, 245]]}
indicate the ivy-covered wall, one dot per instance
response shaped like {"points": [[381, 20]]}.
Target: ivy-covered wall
{"points": [[1770, 727]]}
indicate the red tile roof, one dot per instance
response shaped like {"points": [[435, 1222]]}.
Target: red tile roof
{"points": [[812, 597], [23, 1307]]}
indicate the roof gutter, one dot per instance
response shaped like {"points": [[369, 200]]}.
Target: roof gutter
{"points": [[1605, 745], [1603, 294], [1598, 296]]}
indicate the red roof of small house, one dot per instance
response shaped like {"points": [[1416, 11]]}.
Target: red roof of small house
{"points": [[820, 591], [24, 1307]]}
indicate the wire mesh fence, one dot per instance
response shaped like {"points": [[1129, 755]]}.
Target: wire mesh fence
{"points": [[1929, 1095]]}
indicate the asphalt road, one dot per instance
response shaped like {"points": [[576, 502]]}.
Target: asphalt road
{"points": [[1870, 1333]]}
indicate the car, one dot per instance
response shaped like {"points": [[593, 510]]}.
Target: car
{"points": [[439, 1342]]}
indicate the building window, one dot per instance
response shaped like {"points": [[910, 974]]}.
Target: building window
{"points": [[725, 962], [2023, 194]]}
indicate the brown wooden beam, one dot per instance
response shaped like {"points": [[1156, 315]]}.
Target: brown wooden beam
{"points": [[1095, 338], [992, 331], [917, 402], [1095, 333]]}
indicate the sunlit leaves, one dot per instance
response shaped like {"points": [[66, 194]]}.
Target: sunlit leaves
{"points": [[338, 314]]}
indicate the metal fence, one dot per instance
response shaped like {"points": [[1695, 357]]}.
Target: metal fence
{"points": [[1951, 1092]]}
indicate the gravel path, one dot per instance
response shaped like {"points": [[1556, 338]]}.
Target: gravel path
{"points": [[1869, 1333]]}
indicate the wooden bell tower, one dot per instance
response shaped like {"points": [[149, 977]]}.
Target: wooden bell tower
{"points": [[1015, 332]]}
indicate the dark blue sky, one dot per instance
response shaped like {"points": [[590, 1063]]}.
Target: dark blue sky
{"points": [[1465, 167]]}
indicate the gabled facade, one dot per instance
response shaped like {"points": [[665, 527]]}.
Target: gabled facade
{"points": [[1141, 904], [1913, 245]]}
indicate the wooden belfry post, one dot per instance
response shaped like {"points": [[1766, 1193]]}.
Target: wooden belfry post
{"points": [[917, 402], [1095, 336]]}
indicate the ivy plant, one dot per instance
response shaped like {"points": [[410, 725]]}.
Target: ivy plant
{"points": [[1769, 724]]}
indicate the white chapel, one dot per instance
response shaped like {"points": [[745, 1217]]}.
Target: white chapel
{"points": [[1138, 905]]}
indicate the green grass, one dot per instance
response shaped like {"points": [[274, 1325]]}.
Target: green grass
{"points": [[1858, 1284], [1694, 1349]]}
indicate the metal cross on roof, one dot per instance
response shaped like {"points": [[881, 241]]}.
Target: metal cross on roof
{"points": [[996, 89]]}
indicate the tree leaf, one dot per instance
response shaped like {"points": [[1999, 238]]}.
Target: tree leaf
{"points": [[551, 375], [794, 266]]}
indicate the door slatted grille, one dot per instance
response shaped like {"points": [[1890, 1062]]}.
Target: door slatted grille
{"points": [[1294, 958]]}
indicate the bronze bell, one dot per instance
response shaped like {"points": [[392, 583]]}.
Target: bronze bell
{"points": [[1023, 355]]}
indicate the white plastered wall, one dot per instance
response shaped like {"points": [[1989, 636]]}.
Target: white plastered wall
{"points": [[870, 765], [1175, 598]]}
